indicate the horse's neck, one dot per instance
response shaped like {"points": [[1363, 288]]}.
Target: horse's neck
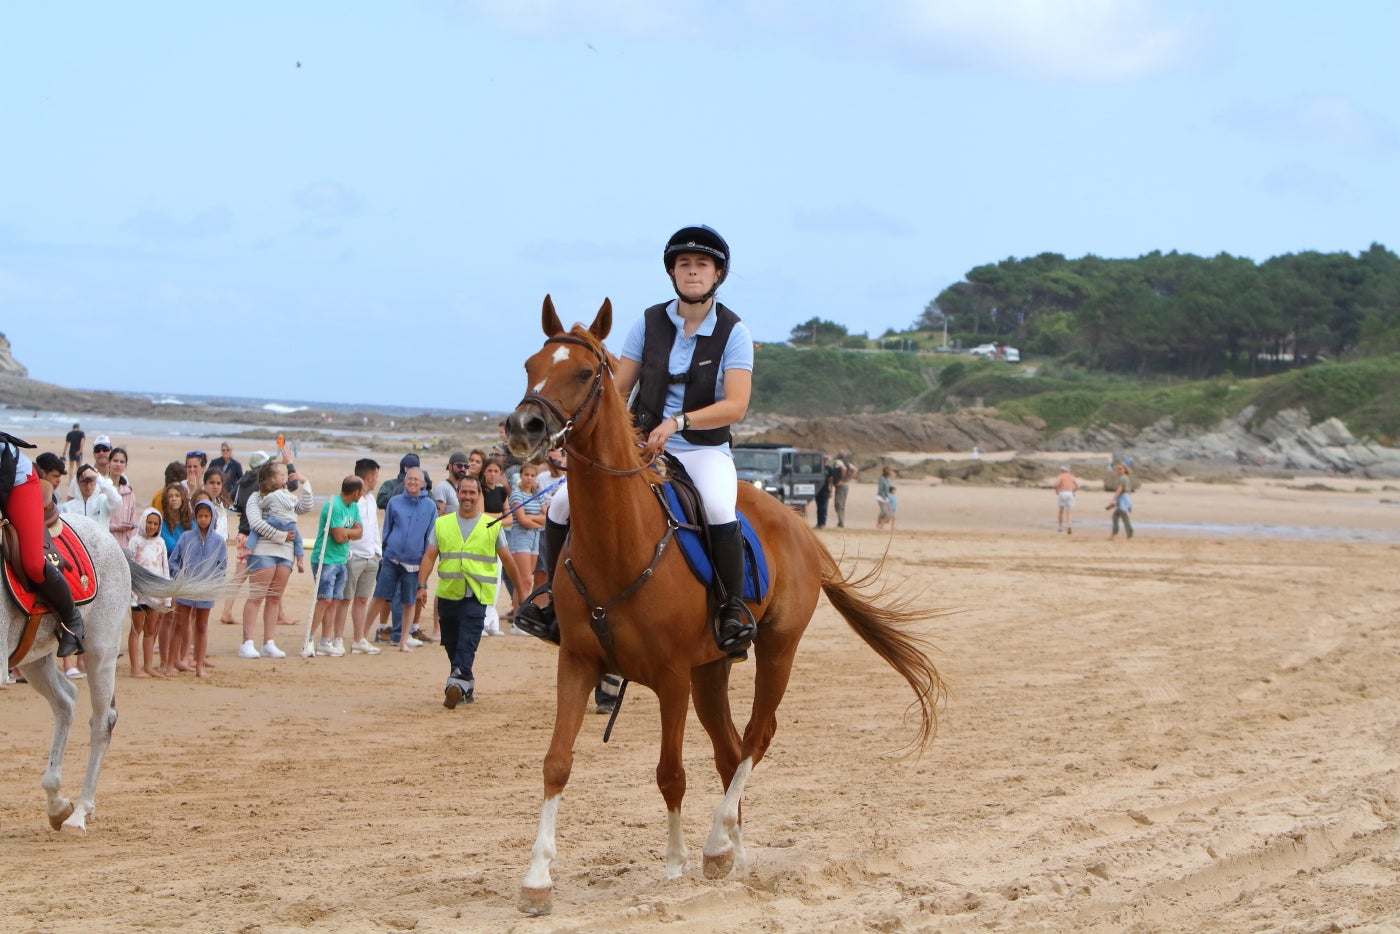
{"points": [[604, 506]]}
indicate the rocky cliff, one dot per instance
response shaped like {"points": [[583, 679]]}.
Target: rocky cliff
{"points": [[9, 366]]}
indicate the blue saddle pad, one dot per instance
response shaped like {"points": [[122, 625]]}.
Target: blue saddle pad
{"points": [[755, 564]]}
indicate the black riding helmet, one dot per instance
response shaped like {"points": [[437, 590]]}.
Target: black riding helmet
{"points": [[698, 239]]}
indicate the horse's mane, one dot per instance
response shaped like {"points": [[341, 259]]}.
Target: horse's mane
{"points": [[633, 457]]}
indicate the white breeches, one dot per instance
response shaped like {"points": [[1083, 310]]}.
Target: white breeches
{"points": [[712, 469]]}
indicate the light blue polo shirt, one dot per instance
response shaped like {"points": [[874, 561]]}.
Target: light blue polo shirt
{"points": [[738, 355]]}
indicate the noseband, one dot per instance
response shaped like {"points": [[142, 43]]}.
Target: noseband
{"points": [[585, 412]]}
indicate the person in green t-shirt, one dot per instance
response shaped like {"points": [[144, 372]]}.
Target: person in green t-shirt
{"points": [[336, 527]]}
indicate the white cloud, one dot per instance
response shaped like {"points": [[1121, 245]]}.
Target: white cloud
{"points": [[1075, 39], [1327, 119], [329, 199], [156, 225]]}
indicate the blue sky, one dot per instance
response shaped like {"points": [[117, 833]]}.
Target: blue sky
{"points": [[184, 209]]}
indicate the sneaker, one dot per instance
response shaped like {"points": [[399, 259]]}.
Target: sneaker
{"points": [[363, 647], [383, 634], [414, 643], [327, 647], [452, 695], [606, 707], [517, 631], [308, 649], [248, 650], [270, 650], [339, 645]]}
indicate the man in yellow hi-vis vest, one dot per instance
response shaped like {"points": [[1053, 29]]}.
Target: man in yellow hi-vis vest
{"points": [[471, 548]]}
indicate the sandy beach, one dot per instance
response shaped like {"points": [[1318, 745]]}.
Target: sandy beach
{"points": [[1194, 730]]}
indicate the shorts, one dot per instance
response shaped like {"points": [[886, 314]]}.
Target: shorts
{"points": [[263, 562], [330, 581], [1066, 499], [361, 574]]}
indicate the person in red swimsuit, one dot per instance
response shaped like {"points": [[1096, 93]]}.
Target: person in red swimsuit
{"points": [[22, 500]]}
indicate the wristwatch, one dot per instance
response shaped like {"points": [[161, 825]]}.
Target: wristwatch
{"points": [[422, 586], [682, 421]]}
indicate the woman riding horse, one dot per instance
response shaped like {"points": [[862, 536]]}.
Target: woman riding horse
{"points": [[23, 504], [691, 360]]}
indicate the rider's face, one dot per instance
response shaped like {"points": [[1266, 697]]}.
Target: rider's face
{"points": [[694, 274]]}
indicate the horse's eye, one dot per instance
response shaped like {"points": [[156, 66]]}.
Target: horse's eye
{"points": [[585, 375]]}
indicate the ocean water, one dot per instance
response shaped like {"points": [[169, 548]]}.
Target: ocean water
{"points": [[44, 422]]}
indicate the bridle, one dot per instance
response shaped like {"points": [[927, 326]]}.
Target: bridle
{"points": [[585, 413]]}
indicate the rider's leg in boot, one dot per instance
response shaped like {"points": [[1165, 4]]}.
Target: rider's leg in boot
{"points": [[734, 632], [540, 620], [60, 599]]}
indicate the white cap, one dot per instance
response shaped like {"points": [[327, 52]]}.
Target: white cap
{"points": [[102, 441]]}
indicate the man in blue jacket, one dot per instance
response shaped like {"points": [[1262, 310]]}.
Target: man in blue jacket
{"points": [[408, 518]]}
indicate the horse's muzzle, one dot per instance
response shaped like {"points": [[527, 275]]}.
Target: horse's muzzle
{"points": [[527, 431]]}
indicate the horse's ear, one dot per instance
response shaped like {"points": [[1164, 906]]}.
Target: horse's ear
{"points": [[549, 319], [603, 323]]}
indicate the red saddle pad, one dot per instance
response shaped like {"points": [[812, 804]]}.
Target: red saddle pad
{"points": [[80, 574]]}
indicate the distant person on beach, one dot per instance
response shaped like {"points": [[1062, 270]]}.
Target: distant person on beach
{"points": [[445, 490], [1066, 485], [407, 521], [524, 535], [362, 568], [73, 441], [473, 553], [124, 518], [174, 473], [1122, 502], [885, 499], [178, 517], [195, 463], [336, 527], [823, 496], [49, 466], [843, 473], [230, 468], [495, 497], [97, 497], [270, 560], [101, 454], [147, 549], [247, 486], [200, 551]]}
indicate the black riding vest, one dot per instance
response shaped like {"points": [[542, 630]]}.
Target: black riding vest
{"points": [[700, 379]]}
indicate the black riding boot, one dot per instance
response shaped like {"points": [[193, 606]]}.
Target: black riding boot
{"points": [[60, 599], [733, 631], [540, 620]]}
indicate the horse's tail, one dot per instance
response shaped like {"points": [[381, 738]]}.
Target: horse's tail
{"points": [[198, 582], [882, 621]]}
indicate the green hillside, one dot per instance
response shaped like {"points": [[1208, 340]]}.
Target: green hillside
{"points": [[1364, 394]]}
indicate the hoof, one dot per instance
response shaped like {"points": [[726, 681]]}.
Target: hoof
{"points": [[719, 865], [71, 831], [534, 902], [56, 820]]}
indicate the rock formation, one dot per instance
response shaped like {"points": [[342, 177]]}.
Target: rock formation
{"points": [[9, 366]]}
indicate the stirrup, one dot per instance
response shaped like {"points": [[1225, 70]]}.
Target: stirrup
{"points": [[734, 635], [539, 621]]}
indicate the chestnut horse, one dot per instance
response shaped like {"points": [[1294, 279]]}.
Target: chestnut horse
{"points": [[617, 568]]}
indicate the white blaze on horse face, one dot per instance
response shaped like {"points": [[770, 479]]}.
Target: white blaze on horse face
{"points": [[540, 385], [561, 354]]}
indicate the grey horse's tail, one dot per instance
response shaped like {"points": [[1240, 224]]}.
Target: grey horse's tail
{"points": [[199, 582]]}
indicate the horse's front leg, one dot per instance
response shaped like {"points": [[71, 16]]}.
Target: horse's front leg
{"points": [[674, 699], [575, 680], [43, 676]]}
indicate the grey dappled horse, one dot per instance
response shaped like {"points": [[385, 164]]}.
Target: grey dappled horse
{"points": [[105, 616]]}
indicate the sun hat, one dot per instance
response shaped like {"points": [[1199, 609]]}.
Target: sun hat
{"points": [[258, 458], [102, 441]]}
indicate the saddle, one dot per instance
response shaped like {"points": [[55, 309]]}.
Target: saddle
{"points": [[64, 550], [684, 506]]}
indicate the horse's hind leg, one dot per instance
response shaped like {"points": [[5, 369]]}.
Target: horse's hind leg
{"points": [[101, 681], [576, 679], [43, 676]]}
